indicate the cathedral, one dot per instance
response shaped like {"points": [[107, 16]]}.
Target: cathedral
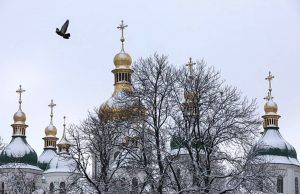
{"points": [[54, 169]]}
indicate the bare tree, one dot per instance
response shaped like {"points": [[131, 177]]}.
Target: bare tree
{"points": [[97, 139], [217, 127], [153, 86]]}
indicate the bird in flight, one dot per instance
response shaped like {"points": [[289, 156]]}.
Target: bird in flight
{"points": [[63, 30]]}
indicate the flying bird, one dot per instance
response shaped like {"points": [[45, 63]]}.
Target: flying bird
{"points": [[63, 30]]}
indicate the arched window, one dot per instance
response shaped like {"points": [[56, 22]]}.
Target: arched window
{"points": [[134, 184], [62, 188], [296, 186], [279, 184], [51, 188]]}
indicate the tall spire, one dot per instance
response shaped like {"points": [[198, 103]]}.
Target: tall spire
{"points": [[20, 91], [64, 144], [121, 27], [51, 105]]}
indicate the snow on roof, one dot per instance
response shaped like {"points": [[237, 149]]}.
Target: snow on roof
{"points": [[46, 156], [19, 166], [273, 138], [17, 148], [62, 163], [279, 160]]}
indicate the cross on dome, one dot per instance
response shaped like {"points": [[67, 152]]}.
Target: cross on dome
{"points": [[121, 27], [190, 65], [51, 105], [270, 77], [20, 91]]}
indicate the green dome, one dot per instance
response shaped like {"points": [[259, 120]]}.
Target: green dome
{"points": [[18, 151], [272, 143]]}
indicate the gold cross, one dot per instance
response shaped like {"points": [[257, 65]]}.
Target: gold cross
{"points": [[269, 78], [190, 65], [51, 105], [122, 26], [20, 91]]}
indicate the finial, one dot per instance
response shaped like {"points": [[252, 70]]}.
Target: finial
{"points": [[51, 105], [190, 65], [269, 78], [122, 26], [64, 122], [20, 91]]}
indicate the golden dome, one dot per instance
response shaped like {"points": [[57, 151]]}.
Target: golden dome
{"points": [[270, 107], [122, 59], [19, 117], [50, 130]]}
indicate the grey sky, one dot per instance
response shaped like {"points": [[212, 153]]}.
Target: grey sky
{"points": [[244, 39]]}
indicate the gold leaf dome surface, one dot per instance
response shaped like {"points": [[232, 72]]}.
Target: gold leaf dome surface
{"points": [[50, 130], [122, 59], [19, 117], [270, 107]]}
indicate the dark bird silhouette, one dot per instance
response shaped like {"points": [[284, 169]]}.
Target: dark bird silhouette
{"points": [[63, 30]]}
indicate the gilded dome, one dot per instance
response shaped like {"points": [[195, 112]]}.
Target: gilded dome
{"points": [[270, 107], [50, 130], [19, 117], [122, 59]]}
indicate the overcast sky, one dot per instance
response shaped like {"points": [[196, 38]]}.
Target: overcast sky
{"points": [[244, 39]]}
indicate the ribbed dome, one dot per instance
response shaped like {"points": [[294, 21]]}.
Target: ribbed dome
{"points": [[270, 107], [50, 130], [18, 151], [122, 59], [19, 117]]}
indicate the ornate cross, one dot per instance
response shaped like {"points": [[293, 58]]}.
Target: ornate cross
{"points": [[121, 27], [269, 78], [20, 91], [190, 65], [51, 105]]}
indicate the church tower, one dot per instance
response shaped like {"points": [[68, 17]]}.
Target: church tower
{"points": [[115, 106], [49, 141], [274, 149], [18, 150]]}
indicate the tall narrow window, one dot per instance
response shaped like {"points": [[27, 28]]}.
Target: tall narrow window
{"points": [[62, 188], [296, 186], [51, 188], [279, 184]]}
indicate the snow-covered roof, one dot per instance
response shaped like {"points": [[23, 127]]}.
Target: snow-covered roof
{"points": [[62, 163], [19, 151], [279, 160], [46, 157], [19, 166], [274, 149]]}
